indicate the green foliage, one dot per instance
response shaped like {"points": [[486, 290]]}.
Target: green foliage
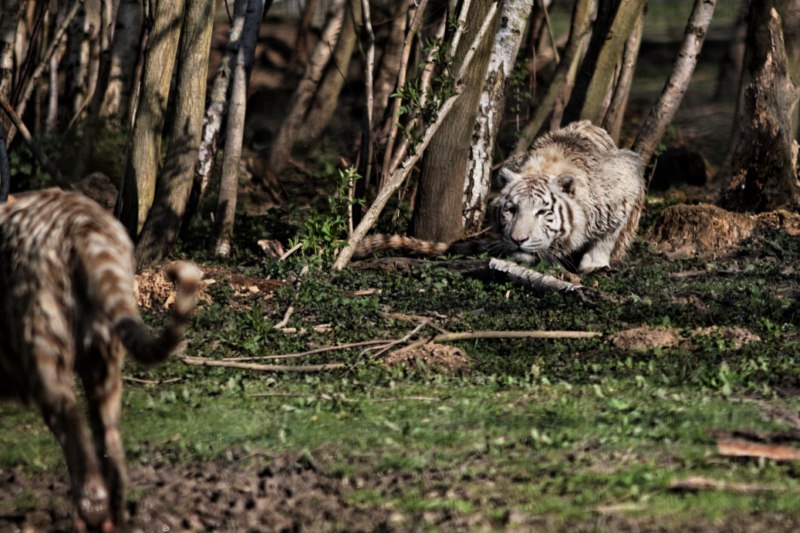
{"points": [[325, 229]]}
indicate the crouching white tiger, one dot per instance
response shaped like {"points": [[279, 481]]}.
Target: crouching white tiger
{"points": [[572, 196]]}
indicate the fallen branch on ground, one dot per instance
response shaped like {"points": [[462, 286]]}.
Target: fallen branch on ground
{"points": [[202, 361], [745, 448], [698, 483], [310, 352], [468, 335]]}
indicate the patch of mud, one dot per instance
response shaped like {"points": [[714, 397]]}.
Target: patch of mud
{"points": [[650, 338], [289, 493], [705, 230], [440, 358]]}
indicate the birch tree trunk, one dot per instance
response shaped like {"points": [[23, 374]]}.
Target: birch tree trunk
{"points": [[513, 16], [390, 61], [139, 183], [160, 231], [662, 112], [579, 28], [612, 121], [124, 52], [9, 20], [438, 213], [218, 104], [594, 85], [327, 96], [281, 148], [763, 162], [228, 189]]}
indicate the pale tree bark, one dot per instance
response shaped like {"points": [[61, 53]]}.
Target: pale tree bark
{"points": [[763, 159], [663, 111], [513, 16], [327, 95], [301, 44], [82, 32], [281, 149], [47, 62], [160, 231], [594, 85], [438, 208], [124, 52], [218, 104], [390, 60], [399, 172], [103, 44], [234, 132], [9, 19], [579, 27], [612, 121], [144, 154]]}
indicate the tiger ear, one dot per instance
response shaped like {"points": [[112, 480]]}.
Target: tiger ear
{"points": [[506, 176], [566, 182]]}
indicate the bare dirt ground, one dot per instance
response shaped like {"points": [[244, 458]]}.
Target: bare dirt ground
{"points": [[292, 493]]}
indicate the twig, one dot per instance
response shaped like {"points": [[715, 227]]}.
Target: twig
{"points": [[202, 361], [151, 381], [550, 32], [30, 83], [399, 175], [467, 335], [286, 317], [402, 340], [37, 152], [416, 22], [309, 352], [698, 483], [290, 251]]}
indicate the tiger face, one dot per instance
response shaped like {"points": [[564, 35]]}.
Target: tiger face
{"points": [[535, 214]]}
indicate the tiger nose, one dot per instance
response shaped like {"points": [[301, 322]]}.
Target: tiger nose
{"points": [[519, 240]]}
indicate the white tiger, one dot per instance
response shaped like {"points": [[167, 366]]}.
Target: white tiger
{"points": [[572, 194]]}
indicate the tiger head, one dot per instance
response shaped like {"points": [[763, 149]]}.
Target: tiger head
{"points": [[538, 215]]}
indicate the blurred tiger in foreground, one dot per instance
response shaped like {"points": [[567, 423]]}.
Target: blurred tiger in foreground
{"points": [[573, 196], [67, 308]]}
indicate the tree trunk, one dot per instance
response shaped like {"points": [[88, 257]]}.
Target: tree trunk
{"points": [[478, 181], [327, 96], [662, 112], [139, 182], [217, 106], [9, 20], [124, 52], [763, 163], [301, 41], [228, 189], [730, 70], [438, 212], [612, 121], [579, 28], [594, 86], [108, 15], [281, 149], [163, 223], [390, 61]]}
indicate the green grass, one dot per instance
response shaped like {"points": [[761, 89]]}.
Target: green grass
{"points": [[557, 430]]}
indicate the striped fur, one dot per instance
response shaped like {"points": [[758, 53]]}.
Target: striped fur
{"points": [[574, 193], [67, 308]]}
